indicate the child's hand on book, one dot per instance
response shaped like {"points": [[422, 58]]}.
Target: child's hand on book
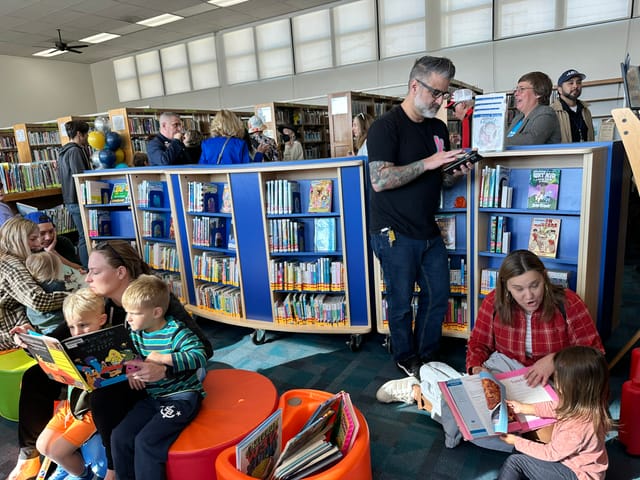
{"points": [[26, 328], [519, 407], [508, 438]]}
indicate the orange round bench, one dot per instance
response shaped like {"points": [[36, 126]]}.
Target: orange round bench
{"points": [[237, 401], [297, 406]]}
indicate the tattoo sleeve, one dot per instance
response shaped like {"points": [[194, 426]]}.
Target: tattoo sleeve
{"points": [[386, 176]]}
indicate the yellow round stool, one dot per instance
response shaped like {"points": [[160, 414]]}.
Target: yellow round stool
{"points": [[13, 364]]}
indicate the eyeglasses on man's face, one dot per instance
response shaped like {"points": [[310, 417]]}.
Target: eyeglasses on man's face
{"points": [[520, 89], [435, 93]]}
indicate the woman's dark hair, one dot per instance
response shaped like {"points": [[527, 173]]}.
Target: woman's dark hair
{"points": [[518, 263], [119, 253], [541, 83], [73, 127], [582, 379]]}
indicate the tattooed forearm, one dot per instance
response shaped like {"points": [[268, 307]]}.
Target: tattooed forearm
{"points": [[386, 176]]}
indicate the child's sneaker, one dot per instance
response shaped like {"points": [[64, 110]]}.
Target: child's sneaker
{"points": [[400, 390], [86, 475], [59, 474]]}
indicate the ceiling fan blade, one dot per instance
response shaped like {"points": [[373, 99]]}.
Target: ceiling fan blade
{"points": [[69, 49], [77, 46]]}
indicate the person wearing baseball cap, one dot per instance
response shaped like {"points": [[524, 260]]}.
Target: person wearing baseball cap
{"points": [[462, 105], [576, 123]]}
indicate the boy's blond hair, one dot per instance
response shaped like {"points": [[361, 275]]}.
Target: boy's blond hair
{"points": [[81, 302], [44, 266], [147, 291]]}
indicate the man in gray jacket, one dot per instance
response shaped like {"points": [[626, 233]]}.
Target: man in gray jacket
{"points": [[74, 158], [576, 124]]}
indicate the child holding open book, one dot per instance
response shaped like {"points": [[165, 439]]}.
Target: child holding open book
{"points": [[140, 443], [72, 425], [577, 447]]}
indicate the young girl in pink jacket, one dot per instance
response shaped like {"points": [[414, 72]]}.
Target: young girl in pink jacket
{"points": [[577, 447]]}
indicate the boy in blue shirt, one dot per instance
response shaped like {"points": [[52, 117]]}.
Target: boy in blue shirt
{"points": [[140, 443]]}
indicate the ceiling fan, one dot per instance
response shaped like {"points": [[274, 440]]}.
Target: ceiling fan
{"points": [[65, 47]]}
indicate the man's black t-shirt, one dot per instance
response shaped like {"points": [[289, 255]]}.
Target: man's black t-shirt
{"points": [[409, 209], [66, 249]]}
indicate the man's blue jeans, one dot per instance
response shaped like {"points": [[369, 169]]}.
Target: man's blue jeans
{"points": [[405, 262], [74, 210]]}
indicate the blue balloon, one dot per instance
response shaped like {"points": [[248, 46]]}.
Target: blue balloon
{"points": [[113, 140], [107, 158]]}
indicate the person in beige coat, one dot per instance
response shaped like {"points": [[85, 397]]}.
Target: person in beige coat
{"points": [[576, 124]]}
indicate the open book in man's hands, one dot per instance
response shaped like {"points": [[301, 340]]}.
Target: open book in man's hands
{"points": [[478, 403]]}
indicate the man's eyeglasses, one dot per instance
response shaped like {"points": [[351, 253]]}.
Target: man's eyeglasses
{"points": [[521, 89], [435, 93]]}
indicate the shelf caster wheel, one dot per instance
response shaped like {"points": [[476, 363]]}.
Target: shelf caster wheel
{"points": [[259, 337], [355, 341], [387, 344]]}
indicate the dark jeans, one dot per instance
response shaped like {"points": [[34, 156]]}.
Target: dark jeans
{"points": [[405, 262], [74, 210], [140, 444], [522, 467]]}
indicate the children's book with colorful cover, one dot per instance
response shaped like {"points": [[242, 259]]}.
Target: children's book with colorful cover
{"points": [[479, 407], [447, 225], [320, 196], [257, 453], [544, 236], [88, 361], [544, 184], [120, 193]]}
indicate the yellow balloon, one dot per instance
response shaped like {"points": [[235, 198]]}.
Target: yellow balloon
{"points": [[96, 140], [119, 156]]}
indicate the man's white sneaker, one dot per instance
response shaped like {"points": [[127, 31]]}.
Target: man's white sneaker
{"points": [[400, 390]]}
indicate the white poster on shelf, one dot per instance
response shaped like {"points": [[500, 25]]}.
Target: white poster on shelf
{"points": [[117, 122], [21, 135], [339, 105]]}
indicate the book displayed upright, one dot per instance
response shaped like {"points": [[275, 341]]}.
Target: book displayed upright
{"points": [[544, 236], [478, 403], [543, 188], [88, 361], [120, 193], [488, 122], [320, 196], [324, 234], [447, 226], [258, 452]]}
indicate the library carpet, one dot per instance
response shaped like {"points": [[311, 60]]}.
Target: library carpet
{"points": [[405, 443]]}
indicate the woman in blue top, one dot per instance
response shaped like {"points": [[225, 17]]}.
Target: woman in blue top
{"points": [[226, 144]]}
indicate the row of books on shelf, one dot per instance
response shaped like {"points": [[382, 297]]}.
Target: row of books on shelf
{"points": [[45, 154], [8, 156], [489, 278], [499, 237], [151, 194], [8, 141], [157, 225], [311, 309], [174, 282], [323, 274], [21, 177], [495, 191], [161, 256], [457, 311], [202, 197], [210, 232], [99, 223], [216, 268], [286, 235], [458, 278], [143, 125], [325, 438], [283, 196], [43, 137], [223, 299], [59, 215]]}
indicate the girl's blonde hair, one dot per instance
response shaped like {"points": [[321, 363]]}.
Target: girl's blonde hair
{"points": [[14, 237], [364, 121], [227, 124], [44, 266], [81, 302], [582, 380], [147, 291]]}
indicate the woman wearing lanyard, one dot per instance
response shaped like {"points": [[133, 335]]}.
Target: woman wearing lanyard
{"points": [[536, 123]]}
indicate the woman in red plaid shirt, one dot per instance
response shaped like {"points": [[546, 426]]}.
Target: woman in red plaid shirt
{"points": [[526, 320]]}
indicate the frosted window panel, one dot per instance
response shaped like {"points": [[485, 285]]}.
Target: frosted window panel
{"points": [[128, 90], [275, 56], [126, 79], [124, 68], [519, 17], [149, 74], [312, 41], [402, 27], [467, 26], [589, 11], [175, 69], [402, 39], [240, 58], [354, 33], [204, 68]]}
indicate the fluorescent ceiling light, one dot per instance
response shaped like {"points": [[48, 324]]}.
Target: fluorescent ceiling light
{"points": [[99, 38], [225, 3], [159, 20], [49, 52]]}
